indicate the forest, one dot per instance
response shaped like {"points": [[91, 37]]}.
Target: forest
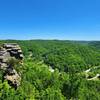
{"points": [[55, 70]]}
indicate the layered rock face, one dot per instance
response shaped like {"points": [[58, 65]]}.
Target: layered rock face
{"points": [[14, 50], [9, 51], [4, 56]]}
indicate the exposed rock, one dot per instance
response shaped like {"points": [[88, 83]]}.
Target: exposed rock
{"points": [[14, 50], [13, 77], [8, 51], [4, 56], [3, 66]]}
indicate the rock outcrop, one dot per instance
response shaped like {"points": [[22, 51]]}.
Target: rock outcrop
{"points": [[9, 51], [4, 56], [14, 50]]}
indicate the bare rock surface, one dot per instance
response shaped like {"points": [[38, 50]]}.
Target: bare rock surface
{"points": [[13, 77], [8, 51]]}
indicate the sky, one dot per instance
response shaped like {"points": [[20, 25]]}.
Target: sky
{"points": [[50, 19]]}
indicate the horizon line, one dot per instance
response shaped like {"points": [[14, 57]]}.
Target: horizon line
{"points": [[48, 39]]}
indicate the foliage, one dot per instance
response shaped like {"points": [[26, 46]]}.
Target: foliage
{"points": [[69, 60]]}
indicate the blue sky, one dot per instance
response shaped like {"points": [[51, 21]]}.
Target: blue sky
{"points": [[50, 19]]}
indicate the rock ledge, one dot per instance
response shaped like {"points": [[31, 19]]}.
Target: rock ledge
{"points": [[10, 51]]}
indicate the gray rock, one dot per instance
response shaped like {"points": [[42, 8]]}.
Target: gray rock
{"points": [[8, 51]]}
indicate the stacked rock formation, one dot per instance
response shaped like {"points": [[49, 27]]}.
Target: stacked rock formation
{"points": [[14, 50], [4, 56], [9, 51]]}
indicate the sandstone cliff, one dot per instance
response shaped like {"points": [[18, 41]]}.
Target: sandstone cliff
{"points": [[9, 51]]}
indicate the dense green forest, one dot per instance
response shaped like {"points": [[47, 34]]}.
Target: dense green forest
{"points": [[55, 70]]}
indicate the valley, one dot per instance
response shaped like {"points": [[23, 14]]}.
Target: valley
{"points": [[54, 70]]}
